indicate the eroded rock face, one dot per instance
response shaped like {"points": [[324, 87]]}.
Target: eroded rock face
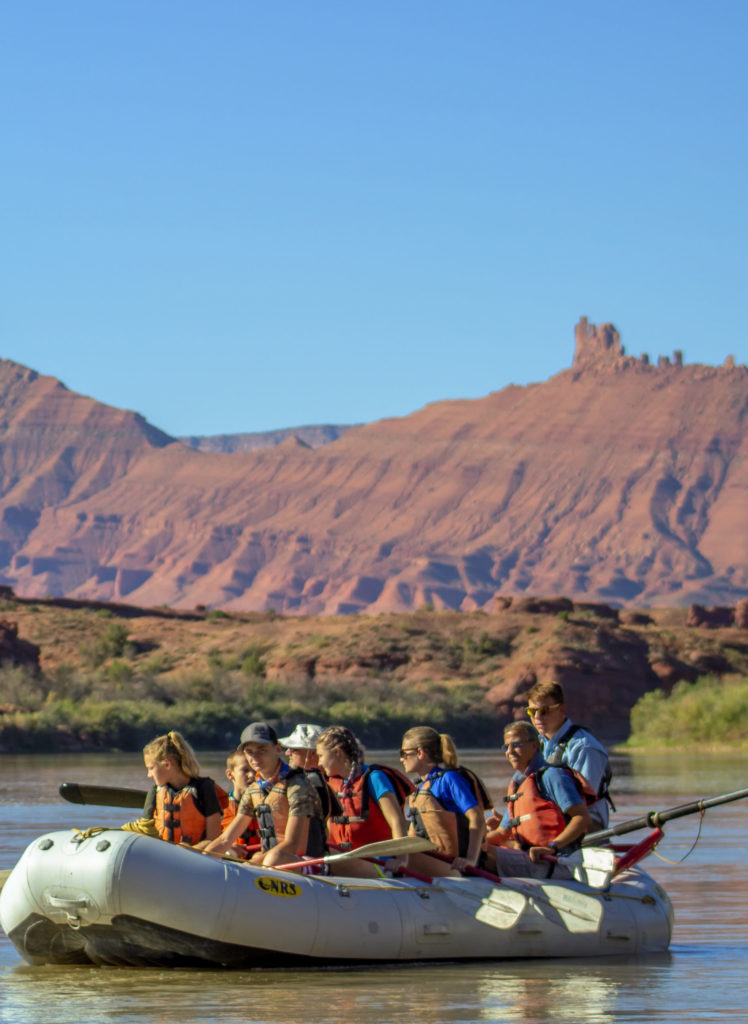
{"points": [[711, 618], [614, 483], [14, 650]]}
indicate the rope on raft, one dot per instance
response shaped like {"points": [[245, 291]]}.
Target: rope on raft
{"points": [[702, 812], [93, 831]]}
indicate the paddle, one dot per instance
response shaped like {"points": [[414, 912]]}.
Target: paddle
{"points": [[105, 796], [592, 866], [655, 819], [384, 848]]}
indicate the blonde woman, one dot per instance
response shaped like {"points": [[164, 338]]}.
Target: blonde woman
{"points": [[182, 806], [448, 804]]}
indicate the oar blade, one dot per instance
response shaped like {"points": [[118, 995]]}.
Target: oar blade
{"points": [[385, 848], [592, 866], [388, 848], [102, 796]]}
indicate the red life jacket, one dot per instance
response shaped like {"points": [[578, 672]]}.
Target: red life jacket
{"points": [[362, 821], [536, 820]]}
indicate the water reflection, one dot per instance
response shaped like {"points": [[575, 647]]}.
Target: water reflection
{"points": [[445, 994], [558, 991]]}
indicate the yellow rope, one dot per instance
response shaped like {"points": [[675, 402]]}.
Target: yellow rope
{"points": [[89, 832]]}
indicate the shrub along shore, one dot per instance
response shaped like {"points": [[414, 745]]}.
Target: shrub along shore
{"points": [[709, 711], [112, 680]]}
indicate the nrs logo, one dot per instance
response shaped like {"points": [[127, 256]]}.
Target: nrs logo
{"points": [[276, 887]]}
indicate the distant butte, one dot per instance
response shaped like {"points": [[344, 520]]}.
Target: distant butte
{"points": [[617, 480]]}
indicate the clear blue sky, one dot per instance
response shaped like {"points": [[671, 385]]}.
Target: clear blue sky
{"points": [[245, 215]]}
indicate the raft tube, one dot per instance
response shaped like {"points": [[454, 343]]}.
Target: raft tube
{"points": [[116, 898]]}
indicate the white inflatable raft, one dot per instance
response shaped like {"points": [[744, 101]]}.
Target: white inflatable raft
{"points": [[121, 898]]}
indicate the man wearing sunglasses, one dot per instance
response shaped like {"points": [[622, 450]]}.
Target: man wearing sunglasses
{"points": [[546, 813], [565, 743]]}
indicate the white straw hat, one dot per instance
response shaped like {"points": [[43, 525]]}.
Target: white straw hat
{"points": [[304, 737]]}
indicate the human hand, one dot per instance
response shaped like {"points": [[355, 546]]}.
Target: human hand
{"points": [[538, 854]]}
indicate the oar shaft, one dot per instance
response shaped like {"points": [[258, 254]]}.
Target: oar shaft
{"points": [[656, 818], [384, 848]]}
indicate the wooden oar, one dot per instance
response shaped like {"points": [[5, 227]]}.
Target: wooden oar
{"points": [[655, 819], [104, 796], [384, 848]]}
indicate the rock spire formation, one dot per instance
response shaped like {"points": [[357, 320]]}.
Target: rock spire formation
{"points": [[601, 348], [616, 480]]}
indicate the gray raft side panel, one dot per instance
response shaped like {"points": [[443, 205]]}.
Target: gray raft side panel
{"points": [[119, 897]]}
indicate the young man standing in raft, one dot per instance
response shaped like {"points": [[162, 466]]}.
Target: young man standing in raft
{"points": [[546, 814], [569, 744], [280, 800]]}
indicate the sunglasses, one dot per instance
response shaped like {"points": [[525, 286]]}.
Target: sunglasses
{"points": [[541, 711], [514, 745], [407, 753]]}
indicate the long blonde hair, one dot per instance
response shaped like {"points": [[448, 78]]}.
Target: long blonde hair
{"points": [[438, 746], [174, 747]]}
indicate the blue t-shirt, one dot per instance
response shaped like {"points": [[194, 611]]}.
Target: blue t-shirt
{"points": [[452, 790], [378, 783], [586, 755], [553, 784]]}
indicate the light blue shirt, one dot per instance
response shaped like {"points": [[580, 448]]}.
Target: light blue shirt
{"points": [[587, 756]]}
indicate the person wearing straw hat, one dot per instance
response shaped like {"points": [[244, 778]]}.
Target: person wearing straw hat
{"points": [[301, 746], [301, 750]]}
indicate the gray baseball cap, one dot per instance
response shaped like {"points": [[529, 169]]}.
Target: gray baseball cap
{"points": [[259, 732], [304, 737]]}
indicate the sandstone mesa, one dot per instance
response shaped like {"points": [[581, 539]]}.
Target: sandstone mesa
{"points": [[618, 480]]}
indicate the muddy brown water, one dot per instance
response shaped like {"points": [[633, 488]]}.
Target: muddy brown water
{"points": [[701, 979]]}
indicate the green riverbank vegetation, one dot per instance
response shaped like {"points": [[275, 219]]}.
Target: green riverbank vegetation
{"points": [[123, 711], [113, 677], [710, 711]]}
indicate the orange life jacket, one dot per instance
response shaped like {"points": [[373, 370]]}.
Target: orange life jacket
{"points": [[361, 821], [536, 820], [249, 836], [177, 816]]}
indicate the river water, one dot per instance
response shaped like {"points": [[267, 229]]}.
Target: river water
{"points": [[701, 979]]}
